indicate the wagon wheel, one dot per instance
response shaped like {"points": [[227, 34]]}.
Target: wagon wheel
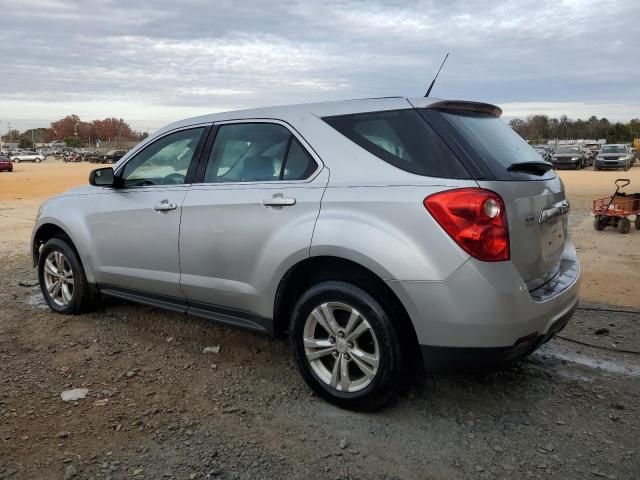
{"points": [[624, 225], [599, 223], [637, 222]]}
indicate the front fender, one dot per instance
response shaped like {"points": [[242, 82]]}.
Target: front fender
{"points": [[69, 214]]}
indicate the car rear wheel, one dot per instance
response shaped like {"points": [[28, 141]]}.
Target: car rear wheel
{"points": [[37, 160], [62, 279], [346, 346], [16, 160]]}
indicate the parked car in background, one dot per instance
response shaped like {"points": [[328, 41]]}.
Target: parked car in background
{"points": [[112, 156], [615, 155], [439, 236], [27, 156], [543, 151], [569, 156], [592, 150], [5, 164]]}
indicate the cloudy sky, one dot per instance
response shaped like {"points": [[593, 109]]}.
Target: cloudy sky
{"points": [[153, 62]]}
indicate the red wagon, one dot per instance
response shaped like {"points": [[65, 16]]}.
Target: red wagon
{"points": [[615, 210]]}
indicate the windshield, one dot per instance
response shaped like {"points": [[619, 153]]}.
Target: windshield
{"points": [[613, 149], [567, 150]]}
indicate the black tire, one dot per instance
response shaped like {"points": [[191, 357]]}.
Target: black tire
{"points": [[81, 297], [637, 222], [16, 160], [38, 160], [598, 223], [389, 376], [624, 225]]}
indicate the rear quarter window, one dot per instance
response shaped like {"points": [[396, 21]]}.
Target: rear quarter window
{"points": [[403, 139]]}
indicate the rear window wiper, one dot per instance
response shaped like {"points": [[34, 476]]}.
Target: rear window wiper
{"points": [[536, 168]]}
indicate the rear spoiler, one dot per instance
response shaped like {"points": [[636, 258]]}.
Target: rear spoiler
{"points": [[466, 106]]}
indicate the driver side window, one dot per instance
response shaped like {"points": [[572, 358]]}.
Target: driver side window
{"points": [[164, 162]]}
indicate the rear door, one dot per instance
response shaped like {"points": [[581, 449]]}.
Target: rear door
{"points": [[534, 197], [249, 220]]}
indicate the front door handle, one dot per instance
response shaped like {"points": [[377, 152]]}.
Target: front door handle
{"points": [[278, 200], [164, 206]]}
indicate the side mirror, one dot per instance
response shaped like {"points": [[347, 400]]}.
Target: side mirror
{"points": [[102, 177]]}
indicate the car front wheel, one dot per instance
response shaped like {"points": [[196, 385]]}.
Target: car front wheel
{"points": [[346, 346], [62, 279]]}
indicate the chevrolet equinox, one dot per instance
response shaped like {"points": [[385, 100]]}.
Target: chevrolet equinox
{"points": [[376, 233]]}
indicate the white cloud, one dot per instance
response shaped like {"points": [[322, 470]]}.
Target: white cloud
{"points": [[168, 58], [612, 111]]}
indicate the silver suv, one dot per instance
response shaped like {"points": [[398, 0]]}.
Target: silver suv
{"points": [[377, 233]]}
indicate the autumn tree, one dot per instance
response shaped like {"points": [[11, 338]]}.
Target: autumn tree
{"points": [[88, 132], [64, 128], [113, 128]]}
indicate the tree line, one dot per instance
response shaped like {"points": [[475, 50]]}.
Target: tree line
{"points": [[75, 132], [541, 128]]}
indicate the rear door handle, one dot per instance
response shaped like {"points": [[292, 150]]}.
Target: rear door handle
{"points": [[164, 206], [278, 200]]}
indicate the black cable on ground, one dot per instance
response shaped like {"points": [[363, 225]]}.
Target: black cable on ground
{"points": [[612, 310], [593, 345]]}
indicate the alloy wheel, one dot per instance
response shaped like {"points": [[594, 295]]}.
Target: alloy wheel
{"points": [[341, 347], [58, 278]]}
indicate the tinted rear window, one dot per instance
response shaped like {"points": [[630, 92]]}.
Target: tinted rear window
{"points": [[403, 139], [493, 138]]}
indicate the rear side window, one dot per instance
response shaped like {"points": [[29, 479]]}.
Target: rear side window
{"points": [[257, 152], [403, 139], [299, 164]]}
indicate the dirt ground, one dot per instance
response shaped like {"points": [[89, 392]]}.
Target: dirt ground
{"points": [[610, 261], [158, 407]]}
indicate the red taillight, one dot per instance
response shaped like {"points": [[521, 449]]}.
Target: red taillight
{"points": [[475, 219]]}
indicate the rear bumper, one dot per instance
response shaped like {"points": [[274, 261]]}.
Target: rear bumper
{"points": [[451, 358], [488, 306]]}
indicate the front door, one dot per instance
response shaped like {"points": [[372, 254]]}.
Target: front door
{"points": [[135, 228], [251, 216]]}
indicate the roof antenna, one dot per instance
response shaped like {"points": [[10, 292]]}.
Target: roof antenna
{"points": [[434, 78]]}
